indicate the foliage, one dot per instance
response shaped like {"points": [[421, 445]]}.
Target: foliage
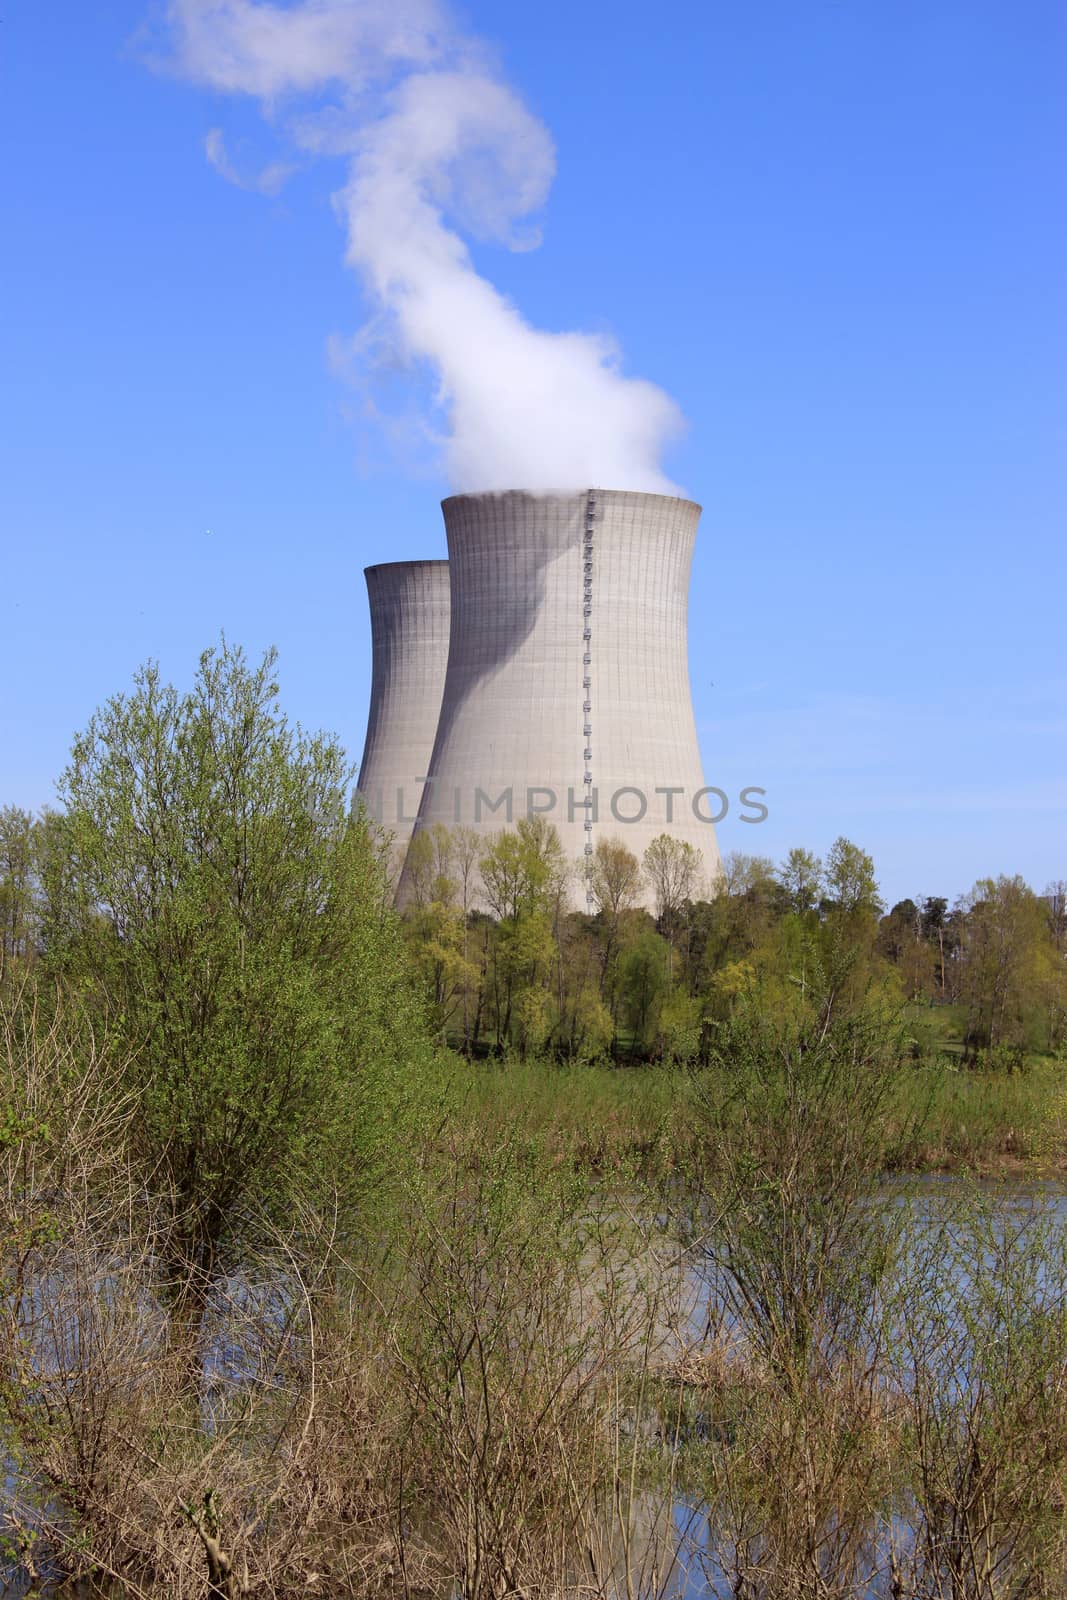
{"points": [[1005, 964], [979, 1314], [220, 909], [795, 1136], [19, 904]]}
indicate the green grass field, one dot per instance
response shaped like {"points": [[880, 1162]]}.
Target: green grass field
{"points": [[607, 1118]]}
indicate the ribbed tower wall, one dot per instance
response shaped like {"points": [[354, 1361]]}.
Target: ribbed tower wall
{"points": [[568, 677], [409, 616]]}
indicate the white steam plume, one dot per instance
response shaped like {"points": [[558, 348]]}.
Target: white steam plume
{"points": [[439, 148]]}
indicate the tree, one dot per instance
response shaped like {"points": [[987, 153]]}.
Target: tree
{"points": [[524, 868], [437, 871], [901, 940], [747, 901], [795, 1150], [643, 967], [672, 867], [221, 906], [429, 866], [935, 928], [466, 851], [850, 882], [741, 874], [1054, 983], [1056, 900], [1003, 932], [613, 877], [19, 905], [524, 878], [437, 936], [801, 876]]}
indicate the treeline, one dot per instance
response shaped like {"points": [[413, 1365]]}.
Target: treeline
{"points": [[662, 953], [506, 963]]}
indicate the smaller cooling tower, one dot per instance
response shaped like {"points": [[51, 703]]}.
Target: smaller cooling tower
{"points": [[409, 620]]}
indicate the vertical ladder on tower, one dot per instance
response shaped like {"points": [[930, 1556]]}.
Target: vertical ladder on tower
{"points": [[587, 678]]}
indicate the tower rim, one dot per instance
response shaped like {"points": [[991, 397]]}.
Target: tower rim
{"points": [[570, 494], [395, 566]]}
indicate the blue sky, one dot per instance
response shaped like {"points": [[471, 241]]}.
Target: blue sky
{"points": [[832, 230]]}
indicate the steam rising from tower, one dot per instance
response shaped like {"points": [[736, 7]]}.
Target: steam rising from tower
{"points": [[566, 668], [439, 148]]}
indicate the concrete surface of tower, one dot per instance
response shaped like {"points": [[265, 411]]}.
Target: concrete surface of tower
{"points": [[409, 617], [567, 689]]}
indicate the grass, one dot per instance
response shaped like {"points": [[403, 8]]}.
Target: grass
{"points": [[601, 1117], [988, 1122], [605, 1118]]}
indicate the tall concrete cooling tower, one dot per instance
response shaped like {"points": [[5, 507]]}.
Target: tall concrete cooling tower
{"points": [[567, 691], [409, 619]]}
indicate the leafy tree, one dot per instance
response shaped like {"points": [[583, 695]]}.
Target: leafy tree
{"points": [[1003, 932], [1056, 900], [678, 1033], [524, 878], [672, 868], [1054, 982], [801, 876], [744, 908], [740, 874], [613, 877], [19, 901], [935, 928], [850, 882], [221, 906], [436, 925], [464, 852], [438, 937], [794, 1151], [429, 866], [524, 868], [902, 941], [584, 1026], [644, 980]]}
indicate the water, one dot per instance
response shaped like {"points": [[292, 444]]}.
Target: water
{"points": [[974, 1283], [972, 1310]]}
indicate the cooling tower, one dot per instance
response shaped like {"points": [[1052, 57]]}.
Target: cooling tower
{"points": [[409, 611], [567, 690]]}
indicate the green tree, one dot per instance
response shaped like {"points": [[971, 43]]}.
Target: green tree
{"points": [[935, 928], [801, 876], [795, 1141], [613, 878], [524, 878], [672, 870], [643, 981], [901, 940], [19, 901], [429, 866], [220, 905], [850, 882], [746, 903], [1004, 934], [524, 868], [437, 935]]}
